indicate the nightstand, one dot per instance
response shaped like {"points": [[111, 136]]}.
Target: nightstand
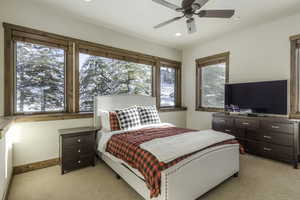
{"points": [[77, 148]]}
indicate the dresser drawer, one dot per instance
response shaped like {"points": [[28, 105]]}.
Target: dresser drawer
{"points": [[247, 123], [277, 152], [223, 124], [278, 127], [78, 162], [223, 121], [78, 140], [276, 138]]}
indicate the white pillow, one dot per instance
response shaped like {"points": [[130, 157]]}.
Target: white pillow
{"points": [[128, 118], [104, 120], [149, 115]]}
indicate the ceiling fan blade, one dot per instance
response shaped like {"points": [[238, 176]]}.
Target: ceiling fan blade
{"points": [[167, 22], [167, 4], [191, 26], [216, 13]]}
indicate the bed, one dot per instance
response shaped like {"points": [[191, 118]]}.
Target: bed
{"points": [[188, 179]]}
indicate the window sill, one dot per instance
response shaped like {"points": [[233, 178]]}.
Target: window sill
{"points": [[51, 117], [295, 116], [209, 109], [172, 109]]}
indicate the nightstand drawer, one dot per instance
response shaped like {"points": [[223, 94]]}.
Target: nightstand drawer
{"points": [[78, 140], [71, 151], [78, 162]]}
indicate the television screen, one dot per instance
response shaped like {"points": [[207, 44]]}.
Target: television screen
{"points": [[262, 97]]}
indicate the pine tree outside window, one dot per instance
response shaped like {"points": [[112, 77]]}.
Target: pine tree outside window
{"points": [[167, 87], [107, 76], [40, 84]]}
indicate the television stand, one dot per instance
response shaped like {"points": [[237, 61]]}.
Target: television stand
{"points": [[271, 137]]}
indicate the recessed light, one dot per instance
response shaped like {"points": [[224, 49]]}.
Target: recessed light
{"points": [[178, 34], [87, 0]]}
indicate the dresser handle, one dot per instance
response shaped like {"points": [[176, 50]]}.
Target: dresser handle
{"points": [[245, 123], [276, 127], [267, 149], [79, 161], [79, 150], [79, 140], [267, 137], [227, 130]]}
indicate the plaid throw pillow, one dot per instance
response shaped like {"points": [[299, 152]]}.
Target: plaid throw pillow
{"points": [[128, 118], [113, 120], [148, 115]]}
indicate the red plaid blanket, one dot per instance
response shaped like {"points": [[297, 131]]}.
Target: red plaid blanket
{"points": [[125, 146]]}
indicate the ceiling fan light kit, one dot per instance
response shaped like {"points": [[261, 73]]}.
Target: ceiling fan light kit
{"points": [[191, 8]]}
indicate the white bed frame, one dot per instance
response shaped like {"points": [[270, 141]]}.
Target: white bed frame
{"points": [[187, 180]]}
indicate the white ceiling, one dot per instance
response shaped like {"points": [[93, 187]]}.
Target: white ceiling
{"points": [[137, 17]]}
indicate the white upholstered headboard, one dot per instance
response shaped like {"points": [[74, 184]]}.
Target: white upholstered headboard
{"points": [[119, 102]]}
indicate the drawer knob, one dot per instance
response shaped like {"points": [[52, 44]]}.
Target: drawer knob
{"points": [[267, 137], [276, 127], [79, 161], [227, 130], [79, 140], [245, 123], [79, 150], [267, 149]]}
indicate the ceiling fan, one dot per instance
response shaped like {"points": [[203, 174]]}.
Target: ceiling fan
{"points": [[191, 8]]}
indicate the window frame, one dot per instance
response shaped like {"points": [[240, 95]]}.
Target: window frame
{"points": [[72, 49], [295, 77], [177, 96], [15, 74], [204, 62], [13, 34]]}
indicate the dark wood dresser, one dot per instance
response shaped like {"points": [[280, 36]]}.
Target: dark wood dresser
{"points": [[271, 137], [77, 148]]}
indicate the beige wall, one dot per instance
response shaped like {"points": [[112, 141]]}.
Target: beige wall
{"points": [[39, 141], [261, 53]]}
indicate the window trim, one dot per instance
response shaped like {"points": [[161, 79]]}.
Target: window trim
{"points": [[73, 47], [15, 83], [295, 78], [177, 86], [204, 62]]}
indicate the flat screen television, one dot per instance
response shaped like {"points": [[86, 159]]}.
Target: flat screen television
{"points": [[262, 97]]}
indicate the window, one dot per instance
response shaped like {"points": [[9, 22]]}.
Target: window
{"points": [[211, 77], [167, 86], [40, 84], [106, 76], [47, 73], [295, 77]]}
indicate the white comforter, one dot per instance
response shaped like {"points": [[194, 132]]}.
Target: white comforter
{"points": [[170, 148]]}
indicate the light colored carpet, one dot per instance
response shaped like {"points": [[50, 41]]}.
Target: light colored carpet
{"points": [[260, 179]]}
